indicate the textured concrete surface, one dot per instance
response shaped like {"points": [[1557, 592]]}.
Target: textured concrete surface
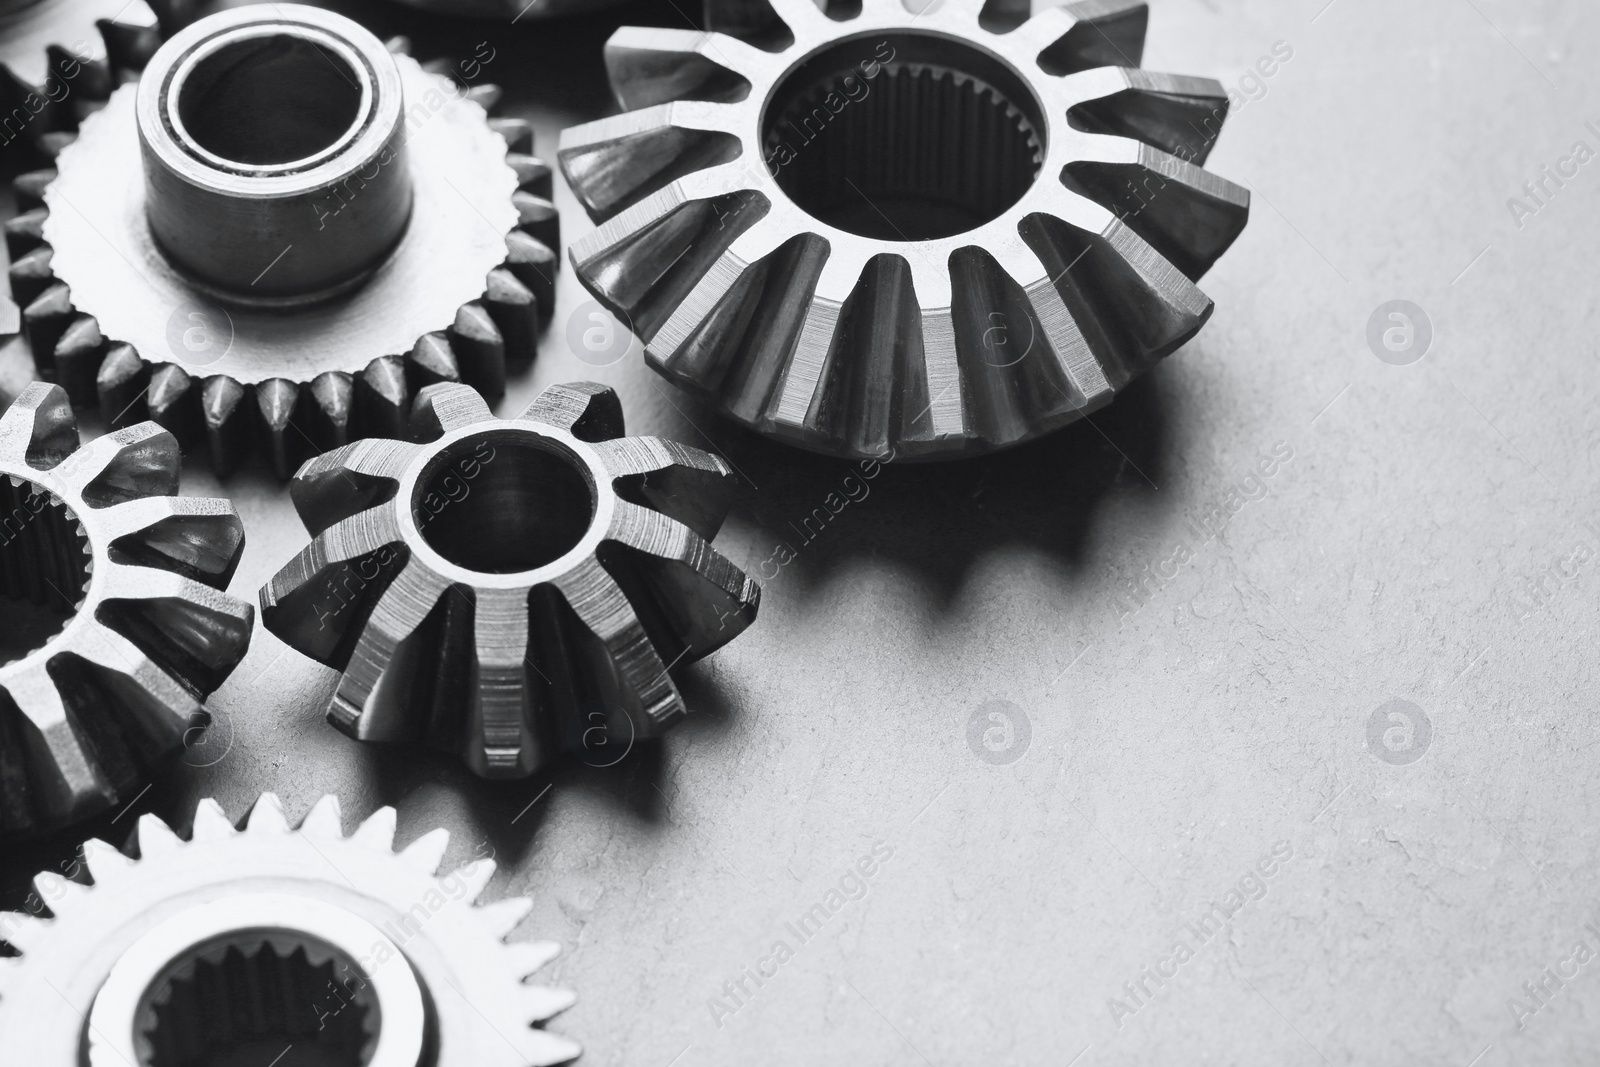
{"points": [[1185, 654]]}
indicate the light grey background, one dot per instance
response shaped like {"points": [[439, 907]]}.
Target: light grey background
{"points": [[1171, 746]]}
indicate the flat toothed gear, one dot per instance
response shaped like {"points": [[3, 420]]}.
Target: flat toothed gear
{"points": [[117, 626], [903, 234], [286, 281], [234, 944], [511, 589]]}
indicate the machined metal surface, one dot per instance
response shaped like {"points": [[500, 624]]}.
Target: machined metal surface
{"points": [[515, 10], [511, 589], [117, 625], [60, 60], [251, 943], [909, 235], [321, 228]]}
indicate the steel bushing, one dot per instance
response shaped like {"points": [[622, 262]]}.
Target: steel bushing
{"points": [[281, 233], [889, 233], [237, 946], [117, 623], [511, 589]]}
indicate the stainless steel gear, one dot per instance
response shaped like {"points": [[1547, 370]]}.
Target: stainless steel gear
{"points": [[896, 234], [249, 943], [322, 228], [117, 625], [513, 588], [60, 60]]}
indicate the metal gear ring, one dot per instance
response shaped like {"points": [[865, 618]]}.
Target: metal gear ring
{"points": [[904, 235], [514, 588], [117, 626], [60, 60], [264, 277], [244, 942]]}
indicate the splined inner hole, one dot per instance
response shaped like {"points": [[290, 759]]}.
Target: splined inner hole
{"points": [[44, 567], [501, 503], [905, 137], [244, 1000], [269, 100]]}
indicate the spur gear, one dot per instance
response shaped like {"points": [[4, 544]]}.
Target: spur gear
{"points": [[514, 588], [896, 234], [245, 942], [60, 60], [117, 623], [321, 228]]}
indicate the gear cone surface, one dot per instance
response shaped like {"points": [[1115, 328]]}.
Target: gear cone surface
{"points": [[286, 282], [239, 943], [117, 625], [895, 234], [511, 589]]}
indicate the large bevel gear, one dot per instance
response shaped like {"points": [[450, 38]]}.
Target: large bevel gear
{"points": [[908, 235], [60, 60], [117, 626], [322, 228], [246, 942], [514, 588]]}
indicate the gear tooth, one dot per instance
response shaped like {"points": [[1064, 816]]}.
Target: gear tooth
{"points": [[533, 174], [587, 410], [78, 356], [376, 830], [121, 383], [502, 916], [485, 96], [29, 187], [211, 823], [398, 45], [480, 350], [1107, 33], [174, 402], [540, 1003], [156, 838], [52, 143], [105, 863], [277, 401], [131, 39], [515, 311], [431, 362], [267, 816], [534, 264], [39, 428], [538, 218], [475, 876], [427, 852], [25, 232], [517, 132], [381, 399], [527, 958], [439, 67], [332, 395], [224, 404], [57, 892], [44, 321], [30, 275], [444, 407], [324, 821]]}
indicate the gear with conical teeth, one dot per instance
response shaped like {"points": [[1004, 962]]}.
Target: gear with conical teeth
{"points": [[889, 234], [513, 588], [118, 626], [289, 283], [225, 943], [60, 60]]}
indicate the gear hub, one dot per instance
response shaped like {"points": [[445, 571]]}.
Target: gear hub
{"points": [[903, 235]]}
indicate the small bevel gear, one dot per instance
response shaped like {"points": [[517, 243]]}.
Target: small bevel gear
{"points": [[281, 233], [117, 626], [235, 945], [60, 60], [513, 588], [896, 234]]}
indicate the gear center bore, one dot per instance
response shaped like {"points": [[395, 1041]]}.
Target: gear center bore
{"points": [[503, 502], [903, 136], [44, 567], [248, 998]]}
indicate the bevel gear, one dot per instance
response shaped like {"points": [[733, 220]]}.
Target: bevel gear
{"points": [[513, 588], [894, 234], [321, 229], [117, 623], [246, 942], [60, 60]]}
